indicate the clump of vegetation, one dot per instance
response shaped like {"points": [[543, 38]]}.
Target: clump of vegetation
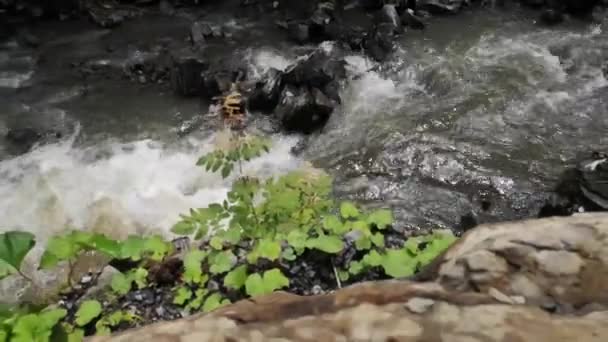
{"points": [[250, 244]]}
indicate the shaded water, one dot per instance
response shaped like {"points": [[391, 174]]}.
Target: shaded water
{"points": [[465, 119]]}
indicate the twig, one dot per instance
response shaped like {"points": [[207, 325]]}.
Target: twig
{"points": [[336, 275]]}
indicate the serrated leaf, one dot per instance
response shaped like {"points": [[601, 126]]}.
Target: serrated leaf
{"points": [[363, 243], [297, 239], [77, 335], [59, 248], [14, 246], [105, 245], [227, 170], [381, 218], [217, 243], [183, 228], [288, 254], [88, 311], [355, 267], [34, 328], [254, 285], [140, 276], [120, 284], [398, 263], [236, 278], [222, 262], [274, 279], [411, 245], [182, 295], [327, 243], [193, 271], [349, 210], [158, 247], [343, 275], [216, 166]]}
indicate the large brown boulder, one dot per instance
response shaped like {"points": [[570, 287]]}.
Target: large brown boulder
{"points": [[537, 280]]}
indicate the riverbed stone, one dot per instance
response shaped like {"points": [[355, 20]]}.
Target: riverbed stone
{"points": [[500, 307]]}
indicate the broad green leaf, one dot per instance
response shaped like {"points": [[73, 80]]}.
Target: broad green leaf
{"points": [[412, 245], [288, 254], [193, 271], [236, 278], [227, 170], [381, 218], [197, 302], [435, 247], [398, 263], [363, 243], [182, 295], [4, 336], [232, 235], [158, 247], [58, 249], [105, 245], [133, 248], [355, 267], [5, 270], [333, 224], [274, 279], [77, 335], [222, 262], [216, 242], [140, 276], [269, 249], [362, 226], [14, 246], [373, 259], [183, 228], [120, 284], [377, 239], [254, 285], [343, 275], [297, 239], [349, 210], [327, 243], [37, 328], [88, 311], [213, 302]]}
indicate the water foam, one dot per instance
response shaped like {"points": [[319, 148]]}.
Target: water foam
{"points": [[118, 188]]}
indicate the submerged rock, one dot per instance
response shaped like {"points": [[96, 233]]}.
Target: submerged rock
{"points": [[266, 94], [594, 179], [186, 73], [302, 109]]}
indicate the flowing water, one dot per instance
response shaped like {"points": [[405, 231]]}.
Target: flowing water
{"points": [[477, 115]]}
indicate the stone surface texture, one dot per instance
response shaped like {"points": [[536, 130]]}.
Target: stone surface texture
{"points": [[536, 280]]}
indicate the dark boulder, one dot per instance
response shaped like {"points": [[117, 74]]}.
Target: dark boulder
{"points": [[265, 96], [216, 83], [551, 17], [302, 109], [298, 32], [318, 69], [371, 5], [442, 7], [409, 19], [380, 43], [199, 32], [186, 73], [313, 29], [388, 15], [23, 139], [594, 179]]}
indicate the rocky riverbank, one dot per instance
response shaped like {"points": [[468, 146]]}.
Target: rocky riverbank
{"points": [[535, 280]]}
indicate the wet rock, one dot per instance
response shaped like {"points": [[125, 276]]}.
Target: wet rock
{"points": [[409, 19], [442, 7], [388, 15], [298, 32], [265, 96], [199, 31], [594, 179], [186, 73], [551, 17], [24, 138], [380, 44], [303, 110], [318, 69], [216, 82]]}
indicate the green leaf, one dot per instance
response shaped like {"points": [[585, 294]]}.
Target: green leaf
{"points": [[14, 246], [76, 336], [355, 267], [236, 278], [120, 284], [363, 227], [348, 210], [105, 245], [183, 228], [288, 254], [36, 328], [363, 243], [377, 239], [232, 235], [227, 170], [222, 262], [88, 311], [140, 276], [327, 243], [216, 243], [216, 166], [197, 302], [59, 248], [437, 245], [269, 249], [333, 224], [343, 275], [254, 285], [193, 271], [398, 263], [272, 280], [182, 296], [373, 259], [133, 248], [411, 245], [158, 247], [213, 302], [5, 270], [381, 218], [297, 239]]}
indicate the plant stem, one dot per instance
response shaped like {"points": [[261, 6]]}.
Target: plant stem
{"points": [[26, 277], [338, 282], [70, 271]]}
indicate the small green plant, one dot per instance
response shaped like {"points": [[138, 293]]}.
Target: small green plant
{"points": [[29, 325], [14, 246], [244, 148]]}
